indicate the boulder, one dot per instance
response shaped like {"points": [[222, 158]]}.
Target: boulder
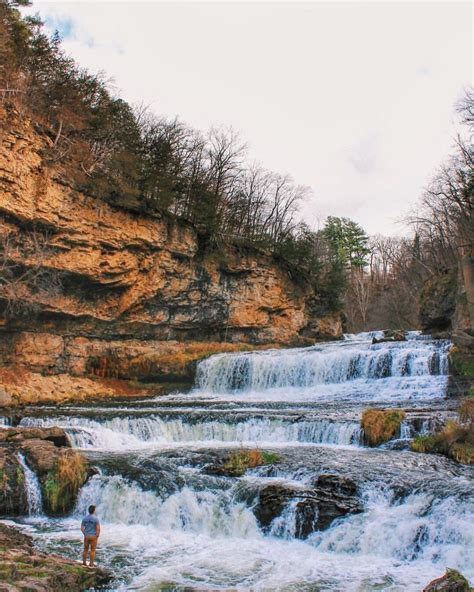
{"points": [[452, 581], [390, 335], [316, 508], [57, 436]]}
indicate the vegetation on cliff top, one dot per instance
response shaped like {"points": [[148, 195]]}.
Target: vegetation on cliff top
{"points": [[136, 160]]}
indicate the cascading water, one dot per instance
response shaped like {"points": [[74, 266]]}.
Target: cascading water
{"points": [[33, 489], [332, 371], [117, 433], [170, 520]]}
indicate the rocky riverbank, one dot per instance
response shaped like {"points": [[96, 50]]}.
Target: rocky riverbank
{"points": [[23, 567]]}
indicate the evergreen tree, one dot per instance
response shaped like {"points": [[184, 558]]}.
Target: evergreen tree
{"points": [[348, 242]]}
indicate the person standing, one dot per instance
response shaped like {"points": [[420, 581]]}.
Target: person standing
{"points": [[90, 528]]}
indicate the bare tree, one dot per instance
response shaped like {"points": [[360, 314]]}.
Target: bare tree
{"points": [[26, 275]]}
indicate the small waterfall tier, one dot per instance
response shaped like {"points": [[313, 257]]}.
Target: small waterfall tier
{"points": [[33, 489], [351, 361], [137, 432]]}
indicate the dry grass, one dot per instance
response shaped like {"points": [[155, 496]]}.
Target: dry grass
{"points": [[381, 425], [466, 410], [241, 460], [455, 441], [62, 484]]}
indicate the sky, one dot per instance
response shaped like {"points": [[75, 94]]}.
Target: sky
{"points": [[353, 99]]}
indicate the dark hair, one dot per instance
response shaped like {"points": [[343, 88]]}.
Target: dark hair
{"points": [[91, 509]]}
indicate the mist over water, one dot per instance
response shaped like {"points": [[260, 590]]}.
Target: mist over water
{"points": [[167, 520]]}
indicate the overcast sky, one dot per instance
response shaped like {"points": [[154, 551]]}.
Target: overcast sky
{"points": [[352, 99]]}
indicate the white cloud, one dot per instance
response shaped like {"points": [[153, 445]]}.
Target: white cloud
{"points": [[353, 99]]}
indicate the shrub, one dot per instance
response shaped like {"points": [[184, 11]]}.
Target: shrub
{"points": [[381, 425], [240, 461]]}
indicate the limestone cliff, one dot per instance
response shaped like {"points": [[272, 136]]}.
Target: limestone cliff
{"points": [[129, 284]]}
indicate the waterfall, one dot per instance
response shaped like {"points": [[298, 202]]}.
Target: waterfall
{"points": [[174, 515], [205, 512], [32, 487], [138, 432], [214, 536], [416, 362]]}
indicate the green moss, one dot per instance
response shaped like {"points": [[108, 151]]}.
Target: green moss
{"points": [[75, 569], [20, 476], [462, 363], [454, 577], [270, 458], [381, 425]]}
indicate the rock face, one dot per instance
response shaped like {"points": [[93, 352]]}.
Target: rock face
{"points": [[329, 498], [25, 568], [438, 303], [129, 284]]}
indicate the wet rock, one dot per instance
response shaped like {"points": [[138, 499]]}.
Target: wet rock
{"points": [[390, 335], [57, 436], [25, 568], [452, 581], [12, 484], [329, 498]]}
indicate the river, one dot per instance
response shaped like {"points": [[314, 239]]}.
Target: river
{"points": [[170, 524]]}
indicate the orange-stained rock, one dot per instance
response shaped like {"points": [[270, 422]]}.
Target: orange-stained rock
{"points": [[130, 283], [25, 387]]}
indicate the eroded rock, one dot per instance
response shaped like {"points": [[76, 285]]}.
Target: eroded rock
{"points": [[452, 581], [329, 498], [61, 470]]}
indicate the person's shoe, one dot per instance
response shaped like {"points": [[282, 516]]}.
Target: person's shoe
{"points": [[84, 564], [92, 565]]}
